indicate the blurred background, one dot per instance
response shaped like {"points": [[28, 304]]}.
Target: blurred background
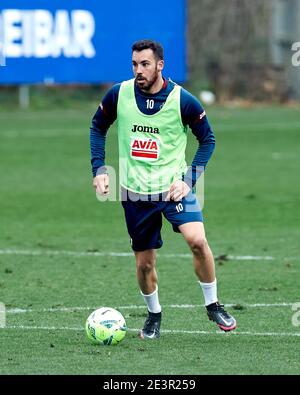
{"points": [[243, 49], [239, 50]]}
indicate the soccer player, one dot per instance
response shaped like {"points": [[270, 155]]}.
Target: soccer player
{"points": [[153, 115]]}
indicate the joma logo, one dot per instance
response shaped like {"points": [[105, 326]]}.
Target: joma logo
{"points": [[145, 129]]}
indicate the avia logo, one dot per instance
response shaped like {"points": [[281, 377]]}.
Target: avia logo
{"points": [[145, 144], [144, 149], [145, 129]]}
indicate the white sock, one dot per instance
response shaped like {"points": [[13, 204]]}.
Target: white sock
{"points": [[152, 301], [209, 292]]}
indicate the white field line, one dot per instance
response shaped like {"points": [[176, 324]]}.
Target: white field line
{"points": [[132, 307], [253, 127], [78, 254], [59, 132], [46, 132], [175, 331]]}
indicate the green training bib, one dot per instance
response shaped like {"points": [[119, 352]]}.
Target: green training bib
{"points": [[151, 147]]}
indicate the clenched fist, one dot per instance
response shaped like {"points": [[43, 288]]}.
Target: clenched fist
{"points": [[101, 184], [178, 190]]}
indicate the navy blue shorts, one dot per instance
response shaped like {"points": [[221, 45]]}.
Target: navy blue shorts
{"points": [[144, 217]]}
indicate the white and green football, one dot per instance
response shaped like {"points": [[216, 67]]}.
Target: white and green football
{"points": [[106, 326]]}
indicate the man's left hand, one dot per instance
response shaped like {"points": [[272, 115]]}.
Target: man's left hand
{"points": [[178, 190]]}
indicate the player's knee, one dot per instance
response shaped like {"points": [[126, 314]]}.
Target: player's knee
{"points": [[198, 245], [145, 265]]}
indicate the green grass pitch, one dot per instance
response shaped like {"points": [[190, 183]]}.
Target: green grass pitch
{"points": [[59, 251]]}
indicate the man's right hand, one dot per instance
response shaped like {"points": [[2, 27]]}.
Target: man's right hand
{"points": [[101, 184]]}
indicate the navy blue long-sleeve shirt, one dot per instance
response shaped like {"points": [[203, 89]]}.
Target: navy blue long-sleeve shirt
{"points": [[192, 114]]}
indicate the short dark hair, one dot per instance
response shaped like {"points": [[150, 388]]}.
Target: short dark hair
{"points": [[149, 44]]}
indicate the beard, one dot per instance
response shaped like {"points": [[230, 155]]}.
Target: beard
{"points": [[146, 84]]}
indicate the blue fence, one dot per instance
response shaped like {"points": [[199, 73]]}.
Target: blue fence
{"points": [[61, 41]]}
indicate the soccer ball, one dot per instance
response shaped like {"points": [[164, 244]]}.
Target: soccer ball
{"points": [[105, 326]]}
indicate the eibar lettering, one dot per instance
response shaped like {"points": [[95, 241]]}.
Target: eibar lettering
{"points": [[144, 129], [41, 33], [120, 385]]}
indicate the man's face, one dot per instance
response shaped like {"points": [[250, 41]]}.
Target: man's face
{"points": [[146, 68]]}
